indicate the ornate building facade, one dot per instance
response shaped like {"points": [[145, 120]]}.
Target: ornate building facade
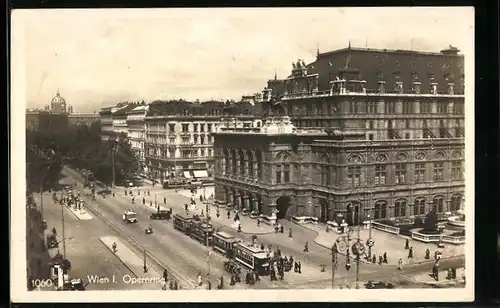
{"points": [[178, 140], [137, 131], [388, 150]]}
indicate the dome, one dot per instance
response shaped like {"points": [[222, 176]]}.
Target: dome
{"points": [[58, 99]]}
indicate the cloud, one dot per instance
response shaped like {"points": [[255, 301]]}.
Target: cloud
{"points": [[97, 56]]}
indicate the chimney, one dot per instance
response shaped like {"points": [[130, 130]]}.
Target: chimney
{"points": [[381, 87], [434, 90], [417, 85], [399, 87], [451, 90]]}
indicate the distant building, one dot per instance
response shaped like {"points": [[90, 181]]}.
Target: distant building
{"points": [[46, 122], [113, 120], [82, 118], [58, 104], [137, 131], [178, 135]]}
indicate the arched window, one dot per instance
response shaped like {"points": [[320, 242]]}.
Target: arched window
{"points": [[380, 210], [258, 158], [325, 175], [400, 208], [419, 207], [250, 163], [456, 203], [242, 162], [438, 203], [233, 162]]}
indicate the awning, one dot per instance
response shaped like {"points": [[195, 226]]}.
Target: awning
{"points": [[200, 174], [187, 174]]}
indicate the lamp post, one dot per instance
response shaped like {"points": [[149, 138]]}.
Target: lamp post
{"points": [[334, 262], [63, 231]]}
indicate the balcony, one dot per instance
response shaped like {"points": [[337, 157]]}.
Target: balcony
{"points": [[185, 145]]}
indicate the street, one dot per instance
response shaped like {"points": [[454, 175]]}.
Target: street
{"points": [[189, 258]]}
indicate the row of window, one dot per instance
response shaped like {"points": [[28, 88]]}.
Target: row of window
{"points": [[419, 208], [372, 107], [401, 174], [184, 153]]}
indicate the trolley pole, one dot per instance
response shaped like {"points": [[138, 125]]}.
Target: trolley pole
{"points": [[358, 253], [113, 165], [334, 263], [369, 235], [63, 234]]}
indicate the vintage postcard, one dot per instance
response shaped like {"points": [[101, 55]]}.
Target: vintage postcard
{"points": [[232, 155]]}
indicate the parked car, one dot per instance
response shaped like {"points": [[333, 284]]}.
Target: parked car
{"points": [[379, 285]]}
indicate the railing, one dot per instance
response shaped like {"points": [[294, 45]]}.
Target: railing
{"points": [[427, 238], [385, 228], [453, 239]]}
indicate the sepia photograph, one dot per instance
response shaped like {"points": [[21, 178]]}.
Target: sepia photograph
{"points": [[232, 155]]}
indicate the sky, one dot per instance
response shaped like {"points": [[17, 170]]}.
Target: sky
{"points": [[96, 58]]}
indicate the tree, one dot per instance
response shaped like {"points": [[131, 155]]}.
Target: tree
{"points": [[431, 221]]}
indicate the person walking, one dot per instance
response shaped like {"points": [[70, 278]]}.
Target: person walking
{"points": [[165, 200], [228, 214], [143, 201], [200, 282], [385, 257], [410, 253], [400, 264], [407, 244], [306, 247]]}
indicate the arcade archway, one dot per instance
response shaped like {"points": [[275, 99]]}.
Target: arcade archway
{"points": [[282, 205], [352, 215], [323, 205]]}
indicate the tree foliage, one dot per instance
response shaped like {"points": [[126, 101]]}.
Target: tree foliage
{"points": [[79, 146]]}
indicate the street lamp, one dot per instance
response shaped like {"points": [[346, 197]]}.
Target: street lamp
{"points": [[334, 262]]}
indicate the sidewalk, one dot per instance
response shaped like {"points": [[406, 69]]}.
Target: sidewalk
{"points": [[80, 214], [426, 278], [132, 261], [392, 244], [176, 201]]}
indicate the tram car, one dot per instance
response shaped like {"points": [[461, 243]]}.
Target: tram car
{"points": [[252, 258], [223, 242], [202, 232], [182, 222]]}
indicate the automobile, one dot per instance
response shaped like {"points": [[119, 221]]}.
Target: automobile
{"points": [[379, 285], [130, 217], [104, 191], [161, 215], [75, 284], [52, 241], [149, 230]]}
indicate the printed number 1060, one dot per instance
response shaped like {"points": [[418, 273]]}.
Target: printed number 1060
{"points": [[41, 283]]}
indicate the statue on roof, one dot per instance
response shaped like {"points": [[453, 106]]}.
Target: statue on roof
{"points": [[293, 64], [298, 63], [303, 63]]}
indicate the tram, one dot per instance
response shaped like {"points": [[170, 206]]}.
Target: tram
{"points": [[182, 222], [202, 232], [253, 258], [223, 242]]}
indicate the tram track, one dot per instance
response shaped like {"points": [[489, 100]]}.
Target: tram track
{"points": [[184, 282]]}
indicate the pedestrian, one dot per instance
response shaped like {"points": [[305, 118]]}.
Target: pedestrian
{"points": [[295, 266], [176, 285], [239, 227], [290, 232], [148, 193], [199, 279], [233, 280], [202, 213], [209, 285], [150, 203], [143, 201], [380, 260], [374, 259], [410, 253], [186, 207], [385, 257], [125, 192], [201, 198], [276, 229], [400, 264], [282, 229], [427, 254], [221, 283], [165, 200], [299, 265], [165, 275], [258, 221], [306, 247], [228, 214], [133, 200], [113, 194], [217, 213], [407, 244]]}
